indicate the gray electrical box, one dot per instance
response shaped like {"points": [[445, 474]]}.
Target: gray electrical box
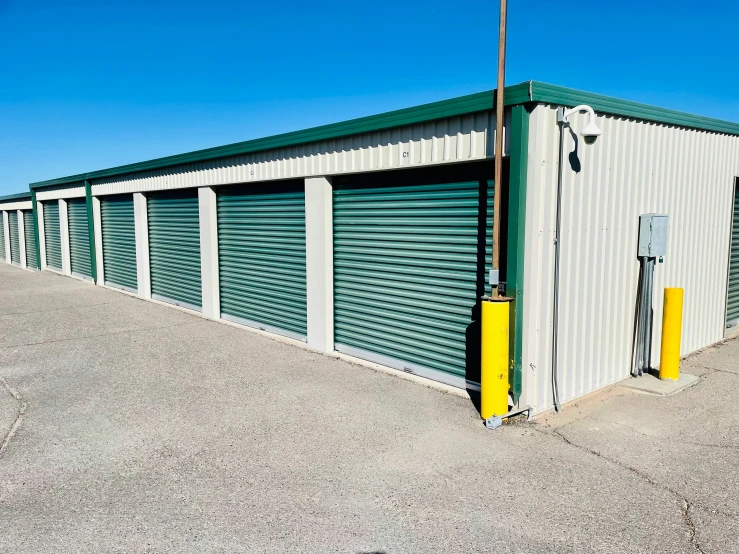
{"points": [[652, 235]]}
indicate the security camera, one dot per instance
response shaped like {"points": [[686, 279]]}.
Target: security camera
{"points": [[590, 133]]}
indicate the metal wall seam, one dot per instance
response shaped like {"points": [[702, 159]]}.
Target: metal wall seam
{"points": [[635, 167], [452, 140]]}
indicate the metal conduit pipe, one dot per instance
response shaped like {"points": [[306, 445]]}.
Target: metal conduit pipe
{"points": [[589, 134], [555, 300]]}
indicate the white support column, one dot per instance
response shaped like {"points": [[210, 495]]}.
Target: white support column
{"points": [[22, 238], [209, 252], [319, 252], [6, 236], [64, 236], [41, 234], [141, 223], [97, 225]]}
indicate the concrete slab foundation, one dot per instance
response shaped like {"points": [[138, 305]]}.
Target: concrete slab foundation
{"points": [[653, 385]]}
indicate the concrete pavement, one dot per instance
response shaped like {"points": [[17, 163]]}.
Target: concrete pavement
{"points": [[147, 429]]}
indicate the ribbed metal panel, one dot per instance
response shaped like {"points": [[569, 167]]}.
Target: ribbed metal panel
{"points": [[732, 297], [18, 205], [119, 241], [30, 240], [79, 237], [2, 237], [174, 247], [52, 237], [61, 191], [15, 245], [450, 140], [261, 251], [408, 274], [634, 168]]}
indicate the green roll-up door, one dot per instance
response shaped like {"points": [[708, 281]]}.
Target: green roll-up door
{"points": [[119, 241], [732, 303], [261, 251], [52, 237], [15, 245], [2, 237], [79, 237], [409, 269], [174, 247], [30, 240]]}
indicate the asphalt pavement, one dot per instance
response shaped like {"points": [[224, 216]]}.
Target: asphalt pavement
{"points": [[129, 426]]}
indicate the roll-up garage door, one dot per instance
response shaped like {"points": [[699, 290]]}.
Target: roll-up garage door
{"points": [[409, 268], [732, 304], [15, 245], [52, 238], [119, 241], [2, 237], [261, 250], [30, 239], [174, 247], [79, 238]]}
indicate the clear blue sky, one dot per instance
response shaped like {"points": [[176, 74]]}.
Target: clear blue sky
{"points": [[86, 85]]}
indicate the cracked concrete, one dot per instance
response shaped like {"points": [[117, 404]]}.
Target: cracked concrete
{"points": [[151, 430]]}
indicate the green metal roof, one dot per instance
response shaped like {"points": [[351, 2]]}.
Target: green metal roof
{"points": [[15, 197], [526, 92]]}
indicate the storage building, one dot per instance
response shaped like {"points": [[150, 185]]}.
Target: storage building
{"points": [[18, 232], [371, 237]]}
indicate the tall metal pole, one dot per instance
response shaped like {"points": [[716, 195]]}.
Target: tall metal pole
{"points": [[495, 310], [499, 117]]}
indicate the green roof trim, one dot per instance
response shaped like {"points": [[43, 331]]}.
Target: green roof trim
{"points": [[523, 93], [552, 94], [471, 103], [16, 197]]}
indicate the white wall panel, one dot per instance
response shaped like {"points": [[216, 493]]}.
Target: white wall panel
{"points": [[452, 140], [634, 168], [61, 192], [24, 205]]}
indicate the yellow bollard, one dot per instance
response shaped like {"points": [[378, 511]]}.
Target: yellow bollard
{"points": [[494, 371], [672, 324]]}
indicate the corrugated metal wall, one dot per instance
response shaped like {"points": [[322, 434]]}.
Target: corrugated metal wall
{"points": [[634, 168], [457, 139], [61, 191]]}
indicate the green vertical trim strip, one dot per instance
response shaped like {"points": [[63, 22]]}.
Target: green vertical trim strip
{"points": [[519, 157], [35, 229], [91, 231]]}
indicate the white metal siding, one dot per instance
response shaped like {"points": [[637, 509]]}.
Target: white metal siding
{"points": [[61, 192], [10, 206], [635, 167], [451, 140]]}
